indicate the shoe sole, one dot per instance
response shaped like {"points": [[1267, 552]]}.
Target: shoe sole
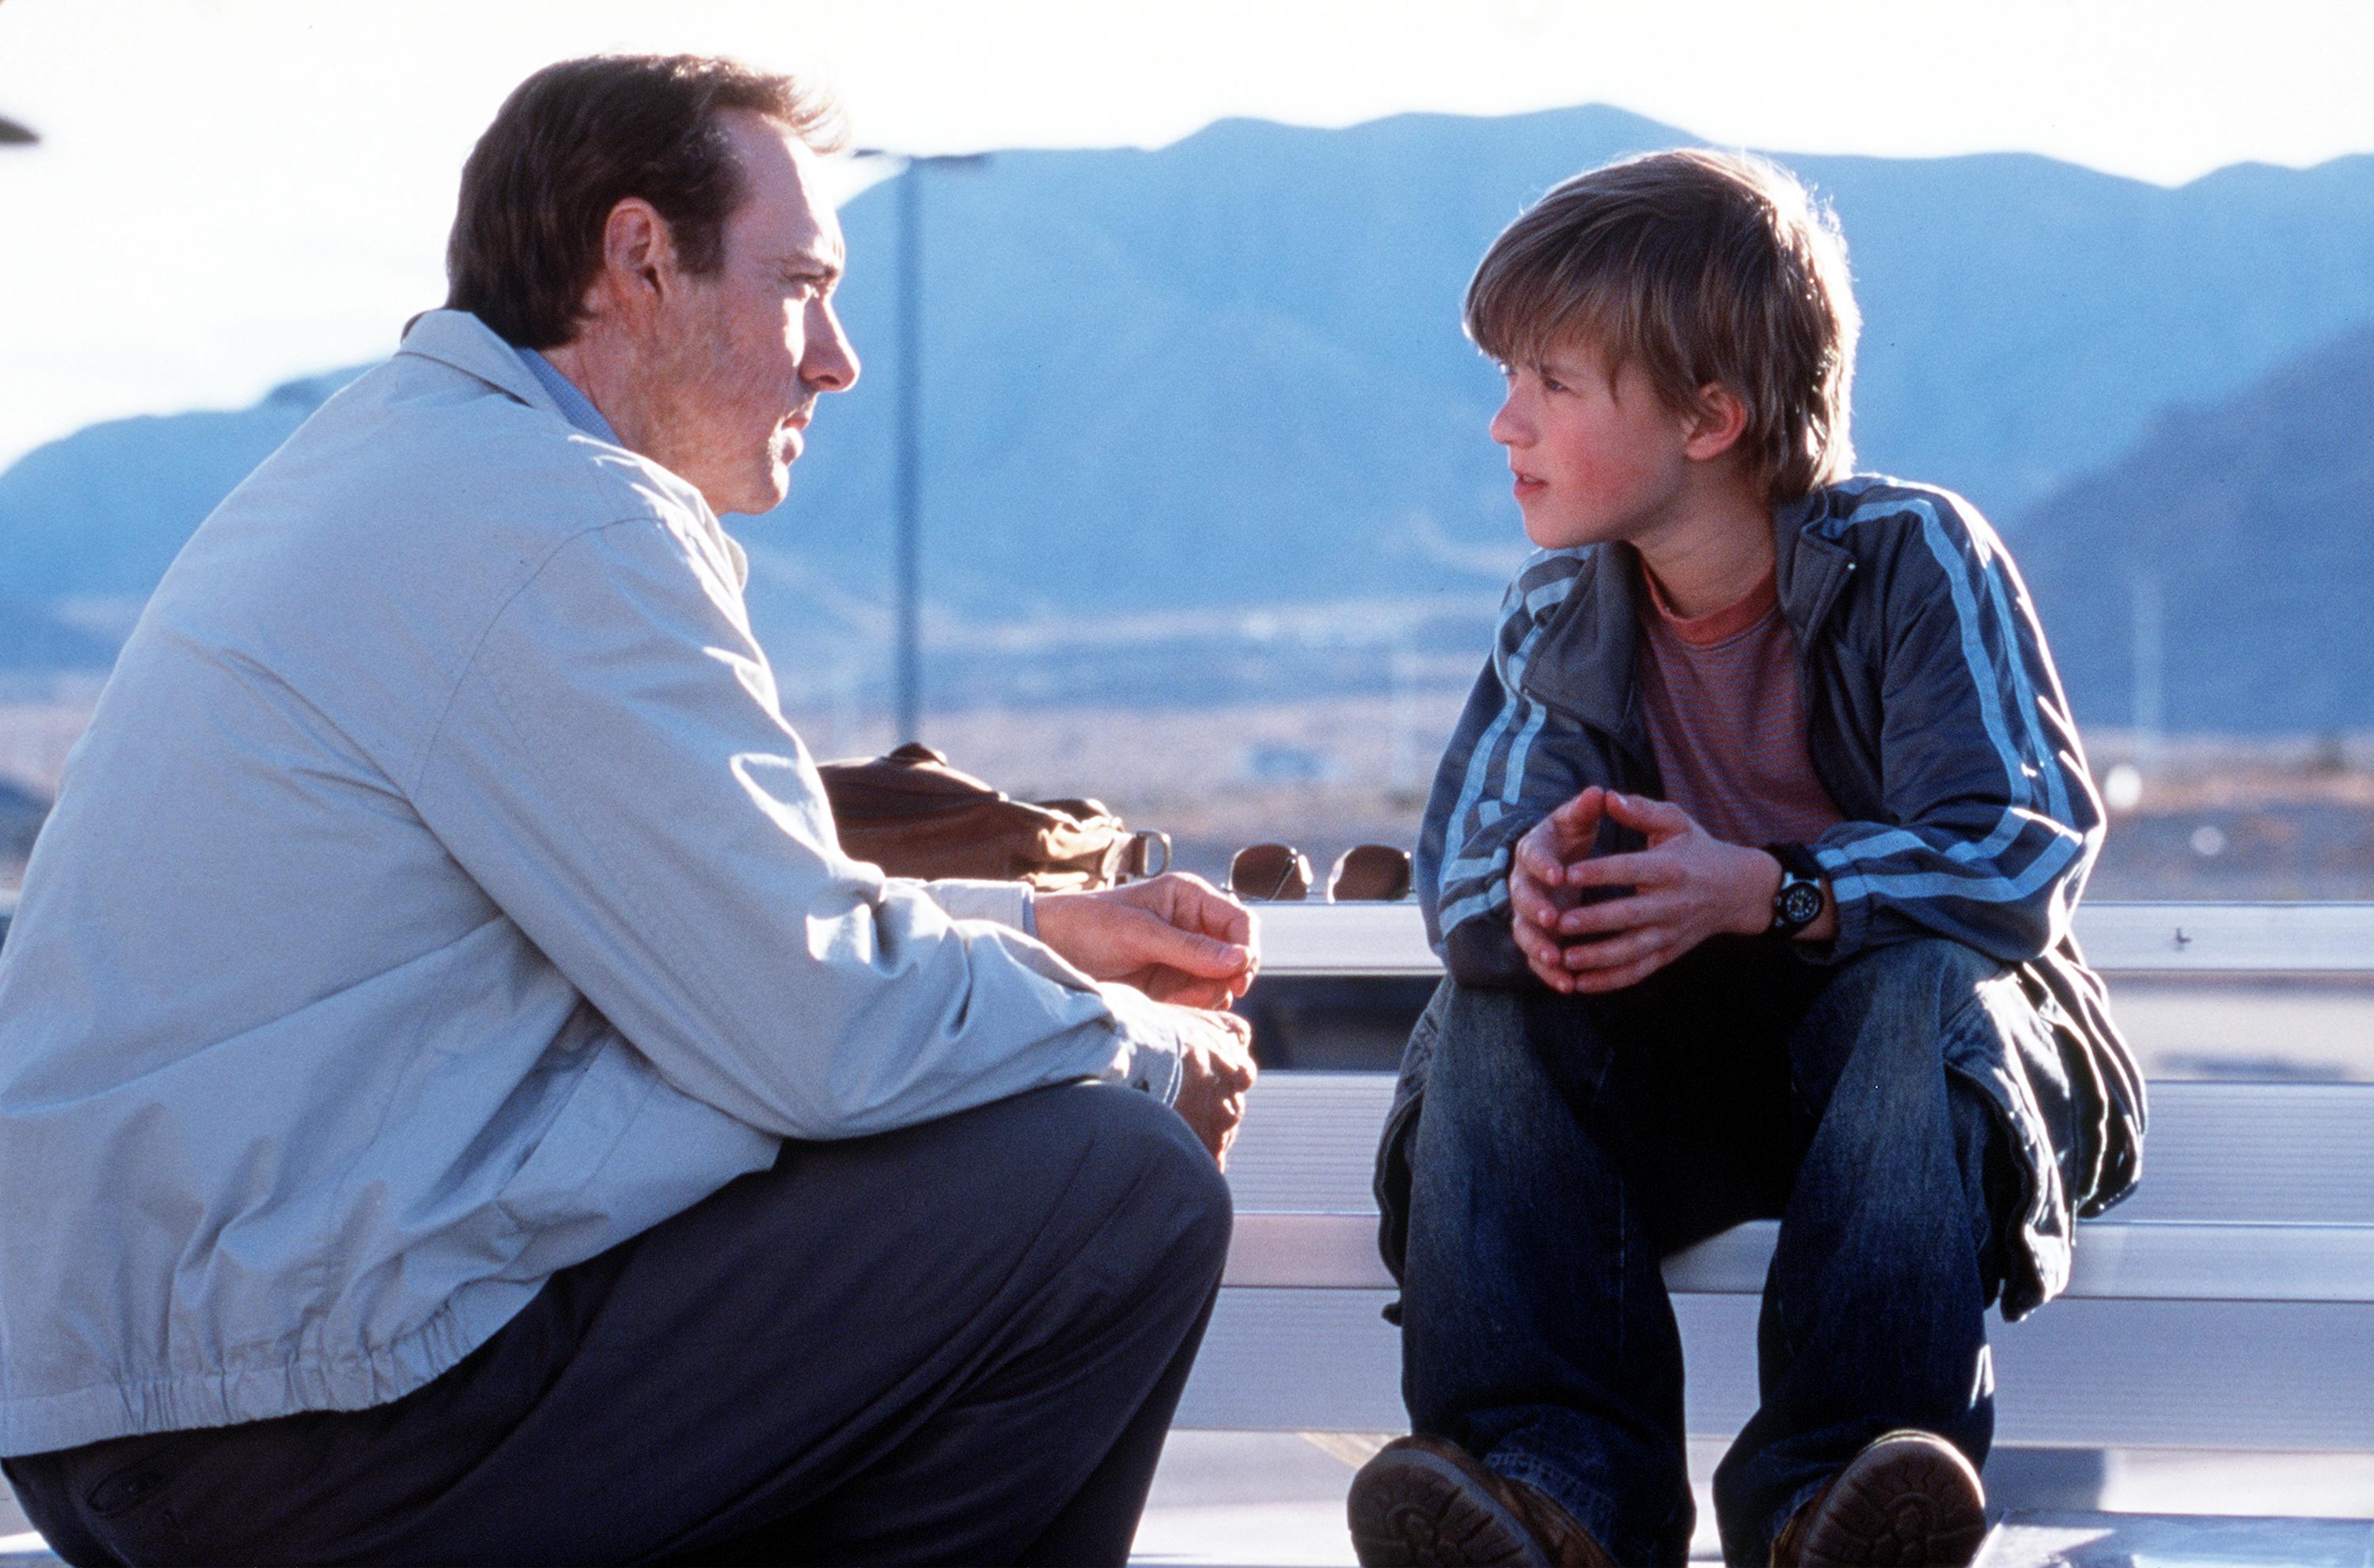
{"points": [[1901, 1505], [1411, 1509]]}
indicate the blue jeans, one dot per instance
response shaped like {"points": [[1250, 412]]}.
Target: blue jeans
{"points": [[1565, 1144]]}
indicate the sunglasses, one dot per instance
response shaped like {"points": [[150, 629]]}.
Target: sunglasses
{"points": [[1270, 874]]}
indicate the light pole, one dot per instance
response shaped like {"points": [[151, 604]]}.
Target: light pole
{"points": [[907, 449], [2149, 658]]}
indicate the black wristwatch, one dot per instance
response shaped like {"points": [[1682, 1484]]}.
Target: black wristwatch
{"points": [[1798, 904]]}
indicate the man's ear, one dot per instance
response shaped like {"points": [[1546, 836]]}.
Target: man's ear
{"points": [[1716, 423], [638, 261]]}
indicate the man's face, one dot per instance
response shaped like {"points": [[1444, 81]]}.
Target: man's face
{"points": [[741, 355], [1594, 460]]}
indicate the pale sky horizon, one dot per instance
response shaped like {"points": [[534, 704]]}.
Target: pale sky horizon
{"points": [[232, 193]]}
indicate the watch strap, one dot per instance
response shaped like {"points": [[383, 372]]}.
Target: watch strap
{"points": [[1793, 908]]}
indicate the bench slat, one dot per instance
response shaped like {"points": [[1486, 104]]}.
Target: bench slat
{"points": [[2079, 1373], [2228, 1305], [2217, 1153], [2166, 1262], [1389, 939]]}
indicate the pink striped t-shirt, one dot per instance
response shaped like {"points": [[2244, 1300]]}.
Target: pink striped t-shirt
{"points": [[1727, 719]]}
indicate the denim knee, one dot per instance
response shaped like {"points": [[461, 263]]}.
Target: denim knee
{"points": [[1929, 973], [1889, 1011], [1528, 1041]]}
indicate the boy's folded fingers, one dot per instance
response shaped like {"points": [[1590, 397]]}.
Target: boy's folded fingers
{"points": [[1613, 871], [1582, 809], [1597, 981], [1645, 812], [1547, 961], [1615, 951], [1537, 861], [1631, 912], [1530, 905], [1645, 953], [1538, 945]]}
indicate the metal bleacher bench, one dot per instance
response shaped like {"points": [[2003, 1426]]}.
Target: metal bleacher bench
{"points": [[2228, 1305]]}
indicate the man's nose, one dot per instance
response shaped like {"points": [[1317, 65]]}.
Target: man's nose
{"points": [[830, 362]]}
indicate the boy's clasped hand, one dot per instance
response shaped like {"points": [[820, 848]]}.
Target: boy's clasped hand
{"points": [[1589, 922]]}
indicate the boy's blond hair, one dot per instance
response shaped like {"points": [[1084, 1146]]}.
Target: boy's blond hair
{"points": [[1695, 267]]}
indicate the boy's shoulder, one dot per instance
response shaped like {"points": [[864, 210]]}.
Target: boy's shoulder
{"points": [[1544, 580], [1878, 511], [1913, 550]]}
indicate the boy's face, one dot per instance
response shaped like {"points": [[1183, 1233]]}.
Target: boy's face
{"points": [[1594, 460]]}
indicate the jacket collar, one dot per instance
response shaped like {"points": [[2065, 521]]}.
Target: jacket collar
{"points": [[459, 339], [1584, 665], [1809, 566]]}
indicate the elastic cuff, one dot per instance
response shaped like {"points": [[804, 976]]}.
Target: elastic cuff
{"points": [[981, 898], [1854, 912], [1155, 1070]]}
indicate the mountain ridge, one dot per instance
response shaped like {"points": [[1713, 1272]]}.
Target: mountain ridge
{"points": [[1228, 371], [2260, 563]]}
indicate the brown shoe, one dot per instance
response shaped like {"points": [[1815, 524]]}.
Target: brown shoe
{"points": [[1909, 1501], [1425, 1503]]}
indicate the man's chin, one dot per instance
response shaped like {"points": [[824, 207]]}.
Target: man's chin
{"points": [[756, 497]]}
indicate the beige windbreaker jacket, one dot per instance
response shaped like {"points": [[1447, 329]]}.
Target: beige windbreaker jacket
{"points": [[437, 899]]}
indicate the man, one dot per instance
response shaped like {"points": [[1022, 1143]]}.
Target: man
{"points": [[458, 1102]]}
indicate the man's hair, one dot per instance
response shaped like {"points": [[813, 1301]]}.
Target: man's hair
{"points": [[576, 139], [1695, 266]]}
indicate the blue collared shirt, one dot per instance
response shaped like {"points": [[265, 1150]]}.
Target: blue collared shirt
{"points": [[575, 407]]}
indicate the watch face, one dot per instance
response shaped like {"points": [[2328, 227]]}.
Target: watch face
{"points": [[1801, 902]]}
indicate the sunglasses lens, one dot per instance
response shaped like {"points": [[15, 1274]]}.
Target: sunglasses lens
{"points": [[1270, 872], [1367, 873]]}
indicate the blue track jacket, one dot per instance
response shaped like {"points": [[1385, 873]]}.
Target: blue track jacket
{"points": [[1937, 723]]}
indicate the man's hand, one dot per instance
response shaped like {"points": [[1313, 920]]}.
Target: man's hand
{"points": [[1176, 938], [1184, 942], [1217, 1064], [1685, 887]]}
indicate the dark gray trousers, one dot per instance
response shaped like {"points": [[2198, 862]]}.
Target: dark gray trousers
{"points": [[958, 1342]]}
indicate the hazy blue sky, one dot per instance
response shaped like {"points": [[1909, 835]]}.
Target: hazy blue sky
{"points": [[232, 192]]}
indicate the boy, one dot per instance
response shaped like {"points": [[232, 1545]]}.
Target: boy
{"points": [[1751, 862]]}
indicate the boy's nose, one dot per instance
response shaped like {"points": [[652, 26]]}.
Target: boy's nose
{"points": [[1508, 428]]}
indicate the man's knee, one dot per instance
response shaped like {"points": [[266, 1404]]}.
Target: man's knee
{"points": [[1160, 1185]]}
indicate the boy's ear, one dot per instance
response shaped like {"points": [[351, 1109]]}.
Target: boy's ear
{"points": [[1716, 423]]}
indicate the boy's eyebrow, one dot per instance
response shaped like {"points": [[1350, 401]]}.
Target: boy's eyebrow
{"points": [[1566, 364]]}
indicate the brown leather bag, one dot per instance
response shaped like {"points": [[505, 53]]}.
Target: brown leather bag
{"points": [[912, 815]]}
